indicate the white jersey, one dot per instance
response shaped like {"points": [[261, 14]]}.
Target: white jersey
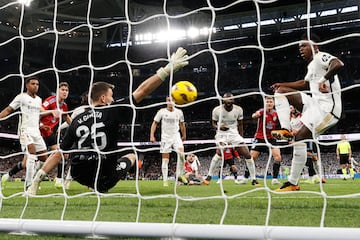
{"points": [[317, 68], [30, 113], [230, 119], [170, 121]]}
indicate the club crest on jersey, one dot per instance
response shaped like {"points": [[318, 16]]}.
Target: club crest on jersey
{"points": [[121, 166]]}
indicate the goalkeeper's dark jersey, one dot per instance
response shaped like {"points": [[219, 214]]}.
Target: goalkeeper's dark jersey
{"points": [[97, 129]]}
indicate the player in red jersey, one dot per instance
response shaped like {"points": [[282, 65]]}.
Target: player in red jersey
{"points": [[55, 107], [191, 176], [261, 135]]}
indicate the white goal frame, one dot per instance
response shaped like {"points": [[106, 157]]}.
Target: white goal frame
{"points": [[100, 229]]}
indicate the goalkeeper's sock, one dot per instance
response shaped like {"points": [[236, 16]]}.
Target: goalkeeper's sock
{"points": [[344, 172], [15, 169], [165, 168], [283, 110], [298, 162], [251, 166]]}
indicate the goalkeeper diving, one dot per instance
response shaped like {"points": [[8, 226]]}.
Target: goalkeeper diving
{"points": [[92, 133]]}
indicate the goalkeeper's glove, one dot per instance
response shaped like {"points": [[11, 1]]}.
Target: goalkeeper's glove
{"points": [[177, 61]]}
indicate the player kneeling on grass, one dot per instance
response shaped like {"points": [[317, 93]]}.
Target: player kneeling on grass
{"points": [[191, 171], [94, 130]]}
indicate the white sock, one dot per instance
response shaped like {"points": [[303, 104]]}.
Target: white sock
{"points": [[39, 176], [251, 167], [180, 164], [39, 165], [30, 168], [317, 167], [165, 168], [68, 175], [282, 107], [214, 163], [297, 163]]}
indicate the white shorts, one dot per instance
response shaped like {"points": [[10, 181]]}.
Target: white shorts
{"points": [[229, 139], [36, 139], [169, 145], [314, 117]]}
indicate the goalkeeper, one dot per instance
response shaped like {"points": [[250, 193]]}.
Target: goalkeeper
{"points": [[96, 164]]}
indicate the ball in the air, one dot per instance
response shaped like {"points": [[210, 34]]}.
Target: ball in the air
{"points": [[183, 92]]}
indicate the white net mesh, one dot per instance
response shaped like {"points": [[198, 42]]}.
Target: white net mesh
{"points": [[238, 46]]}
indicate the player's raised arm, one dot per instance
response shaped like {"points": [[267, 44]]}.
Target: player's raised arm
{"points": [[177, 61]]}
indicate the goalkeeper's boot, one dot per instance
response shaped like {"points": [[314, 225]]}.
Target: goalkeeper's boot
{"points": [[58, 183], [165, 183], [282, 134], [183, 179], [254, 182], [288, 187], [4, 180]]}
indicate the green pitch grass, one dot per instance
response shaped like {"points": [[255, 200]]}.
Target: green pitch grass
{"points": [[240, 204]]}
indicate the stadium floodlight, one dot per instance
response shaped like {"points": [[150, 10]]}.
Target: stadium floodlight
{"points": [[25, 2], [193, 32]]}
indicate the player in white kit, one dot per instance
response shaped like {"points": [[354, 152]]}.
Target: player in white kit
{"points": [[320, 111], [227, 120], [172, 120], [31, 141]]}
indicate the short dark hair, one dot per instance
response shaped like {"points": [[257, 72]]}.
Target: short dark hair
{"points": [[99, 88], [228, 94], [62, 84], [314, 37], [28, 79]]}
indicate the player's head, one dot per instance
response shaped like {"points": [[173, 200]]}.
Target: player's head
{"points": [[169, 103], [190, 157], [84, 98], [293, 110], [102, 93], [307, 48], [229, 101], [343, 137], [269, 102], [63, 91], [32, 84]]}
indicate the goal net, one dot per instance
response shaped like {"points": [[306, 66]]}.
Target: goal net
{"points": [[242, 47]]}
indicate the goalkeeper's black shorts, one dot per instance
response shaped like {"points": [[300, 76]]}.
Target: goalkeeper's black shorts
{"points": [[110, 172]]}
